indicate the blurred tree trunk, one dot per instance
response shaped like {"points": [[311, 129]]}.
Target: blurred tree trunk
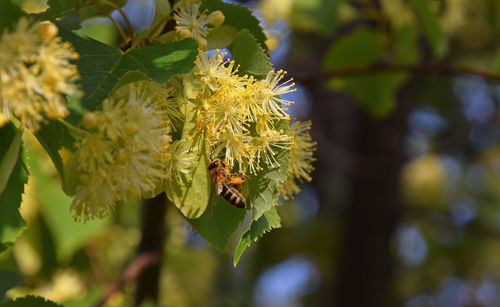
{"points": [[367, 262], [152, 241]]}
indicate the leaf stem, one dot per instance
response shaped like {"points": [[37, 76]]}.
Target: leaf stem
{"points": [[118, 27], [70, 126], [125, 18]]}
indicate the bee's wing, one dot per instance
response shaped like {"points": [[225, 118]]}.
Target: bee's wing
{"points": [[218, 187]]}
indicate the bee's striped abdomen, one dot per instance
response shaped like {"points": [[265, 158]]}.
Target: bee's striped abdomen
{"points": [[233, 196]]}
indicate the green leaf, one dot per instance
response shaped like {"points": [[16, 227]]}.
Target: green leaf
{"points": [[374, 90], [101, 66], [9, 14], [239, 17], [358, 48], [11, 222], [431, 27], [218, 224], [192, 197], [86, 8], [315, 15], [9, 159], [31, 301], [406, 49], [221, 37], [9, 280], [268, 221], [263, 187], [248, 54], [52, 137]]}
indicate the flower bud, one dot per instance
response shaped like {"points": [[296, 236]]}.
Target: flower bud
{"points": [[131, 128], [216, 18], [184, 33], [89, 120], [202, 43], [47, 30]]}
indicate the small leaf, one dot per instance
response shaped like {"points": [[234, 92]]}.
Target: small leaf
{"points": [[31, 301], [52, 137], [86, 8], [9, 14], [431, 27], [358, 48], [248, 54], [268, 221], [318, 16], [192, 198], [221, 37], [9, 159], [11, 222], [375, 91], [9, 280], [101, 66], [405, 49], [218, 224], [239, 17]]}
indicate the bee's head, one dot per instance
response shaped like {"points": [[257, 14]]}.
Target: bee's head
{"points": [[215, 163]]}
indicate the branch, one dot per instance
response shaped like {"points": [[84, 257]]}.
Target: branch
{"points": [[134, 269], [153, 231], [438, 69]]}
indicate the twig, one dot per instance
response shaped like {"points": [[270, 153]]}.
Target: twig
{"points": [[415, 68], [118, 27], [134, 269], [125, 18]]}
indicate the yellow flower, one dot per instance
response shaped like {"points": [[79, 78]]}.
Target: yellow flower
{"points": [[238, 114], [35, 74], [192, 23], [179, 162], [301, 158], [271, 92], [123, 155]]}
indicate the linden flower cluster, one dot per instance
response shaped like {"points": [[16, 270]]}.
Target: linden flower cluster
{"points": [[301, 159], [246, 120], [123, 154], [192, 23], [35, 74]]}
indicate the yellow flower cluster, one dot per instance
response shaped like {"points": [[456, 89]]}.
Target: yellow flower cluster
{"points": [[245, 120], [35, 74], [123, 154], [192, 23], [301, 159]]}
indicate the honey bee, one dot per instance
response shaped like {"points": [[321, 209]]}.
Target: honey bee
{"points": [[226, 183]]}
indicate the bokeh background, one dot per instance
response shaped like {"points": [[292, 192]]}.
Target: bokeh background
{"points": [[404, 206]]}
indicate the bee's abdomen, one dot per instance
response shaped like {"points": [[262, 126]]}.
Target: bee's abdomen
{"points": [[233, 196]]}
